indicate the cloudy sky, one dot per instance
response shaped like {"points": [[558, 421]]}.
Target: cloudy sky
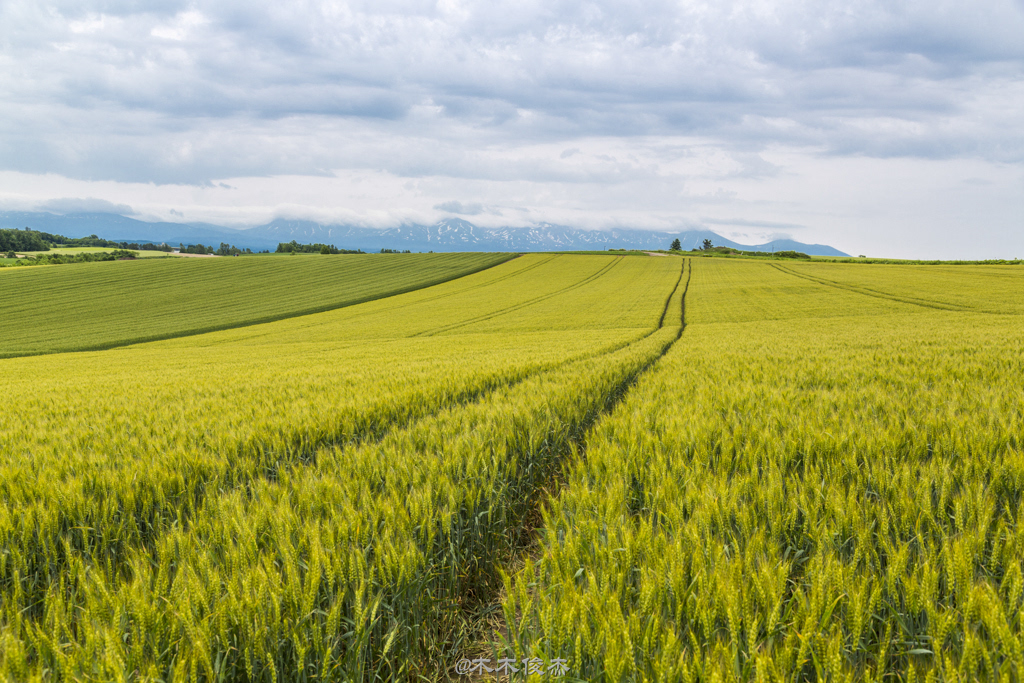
{"points": [[885, 127]]}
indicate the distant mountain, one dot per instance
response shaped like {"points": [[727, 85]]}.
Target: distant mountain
{"points": [[112, 226], [452, 234], [455, 234]]}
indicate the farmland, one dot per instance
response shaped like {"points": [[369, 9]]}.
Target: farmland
{"points": [[113, 471], [992, 289], [817, 484], [113, 304], [818, 476], [72, 251]]}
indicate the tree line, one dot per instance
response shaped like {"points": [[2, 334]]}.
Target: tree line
{"points": [[294, 247], [82, 257], [22, 240], [224, 249], [36, 240], [706, 245]]}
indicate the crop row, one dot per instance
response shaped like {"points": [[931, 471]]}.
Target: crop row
{"points": [[230, 410]]}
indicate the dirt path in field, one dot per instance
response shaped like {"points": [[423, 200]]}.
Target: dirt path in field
{"points": [[654, 253], [486, 618]]}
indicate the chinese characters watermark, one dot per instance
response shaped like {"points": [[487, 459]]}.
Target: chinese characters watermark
{"points": [[531, 666]]}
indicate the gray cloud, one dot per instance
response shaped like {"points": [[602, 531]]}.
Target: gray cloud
{"points": [[753, 223], [195, 91], [86, 205], [471, 209]]}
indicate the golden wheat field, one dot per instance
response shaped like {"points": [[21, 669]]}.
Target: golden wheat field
{"points": [[549, 467]]}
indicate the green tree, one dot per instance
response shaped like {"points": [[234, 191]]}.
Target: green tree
{"points": [[21, 240], [676, 245], [707, 245]]}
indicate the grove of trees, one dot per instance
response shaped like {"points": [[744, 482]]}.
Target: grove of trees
{"points": [[36, 240], [294, 247], [22, 240]]}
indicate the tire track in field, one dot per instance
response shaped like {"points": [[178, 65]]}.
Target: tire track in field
{"points": [[867, 291], [252, 461], [255, 460], [203, 492], [477, 613], [492, 386], [522, 304], [304, 453], [668, 301]]}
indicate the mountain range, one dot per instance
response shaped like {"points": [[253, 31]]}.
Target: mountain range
{"points": [[451, 234]]}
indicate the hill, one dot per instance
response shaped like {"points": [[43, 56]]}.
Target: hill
{"points": [[102, 305]]}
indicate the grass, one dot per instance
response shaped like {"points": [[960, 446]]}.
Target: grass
{"points": [[734, 290], [541, 293], [991, 288], [607, 252], [92, 306], [769, 256], [93, 250], [921, 262]]}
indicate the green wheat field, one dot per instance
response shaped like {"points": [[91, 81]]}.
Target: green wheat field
{"points": [[548, 466]]}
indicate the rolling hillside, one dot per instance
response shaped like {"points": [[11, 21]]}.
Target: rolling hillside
{"points": [[602, 467], [101, 305]]}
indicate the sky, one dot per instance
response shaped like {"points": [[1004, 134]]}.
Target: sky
{"points": [[881, 127]]}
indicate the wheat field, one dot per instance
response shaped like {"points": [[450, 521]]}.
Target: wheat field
{"points": [[814, 484], [648, 469]]}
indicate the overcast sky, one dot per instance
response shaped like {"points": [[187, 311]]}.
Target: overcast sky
{"points": [[881, 127]]}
